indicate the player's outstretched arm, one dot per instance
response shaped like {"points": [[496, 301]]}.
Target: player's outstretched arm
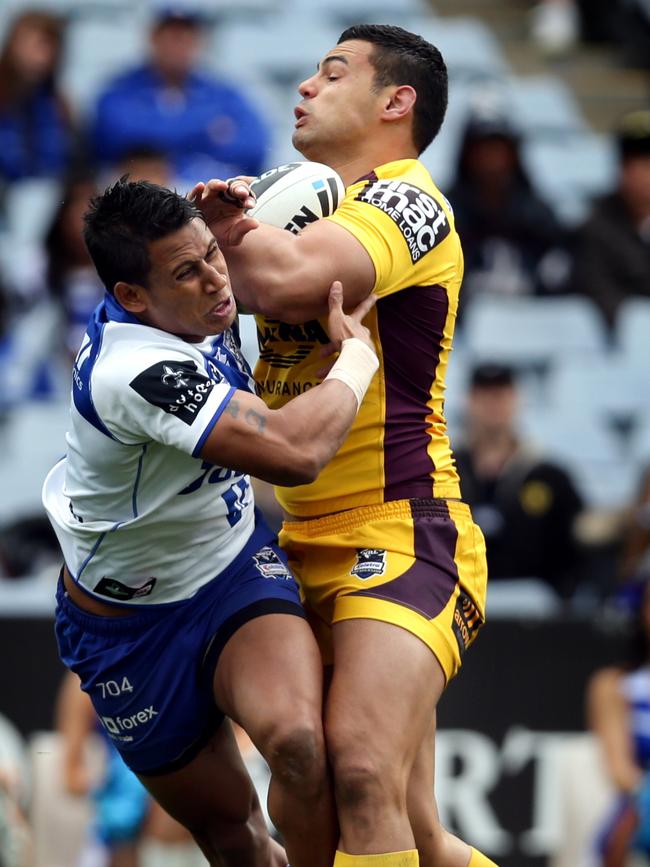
{"points": [[291, 445]]}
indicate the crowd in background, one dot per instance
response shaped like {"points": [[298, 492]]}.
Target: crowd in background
{"points": [[169, 121]]}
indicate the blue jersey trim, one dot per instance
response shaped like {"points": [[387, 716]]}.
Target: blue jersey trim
{"points": [[215, 418], [134, 499], [90, 556]]}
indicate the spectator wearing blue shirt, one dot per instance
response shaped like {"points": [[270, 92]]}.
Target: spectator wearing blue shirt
{"points": [[36, 132], [205, 126]]}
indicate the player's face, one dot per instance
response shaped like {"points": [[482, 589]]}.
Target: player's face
{"points": [[189, 290], [340, 109]]}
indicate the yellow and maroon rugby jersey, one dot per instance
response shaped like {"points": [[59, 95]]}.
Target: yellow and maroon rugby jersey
{"points": [[398, 447]]}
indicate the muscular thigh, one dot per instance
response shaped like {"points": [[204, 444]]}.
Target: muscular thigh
{"points": [[270, 670], [385, 686], [415, 564]]}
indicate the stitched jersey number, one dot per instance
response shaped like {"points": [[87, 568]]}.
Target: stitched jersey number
{"points": [[218, 474], [234, 498]]}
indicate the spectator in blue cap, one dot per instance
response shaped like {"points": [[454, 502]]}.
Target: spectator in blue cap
{"points": [[205, 126]]}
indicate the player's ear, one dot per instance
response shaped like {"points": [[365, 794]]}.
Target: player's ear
{"points": [[131, 296], [400, 102]]}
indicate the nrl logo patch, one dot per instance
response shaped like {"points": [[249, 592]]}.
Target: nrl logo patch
{"points": [[370, 563], [270, 565]]}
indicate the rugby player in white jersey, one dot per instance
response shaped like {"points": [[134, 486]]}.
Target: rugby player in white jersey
{"points": [[175, 605]]}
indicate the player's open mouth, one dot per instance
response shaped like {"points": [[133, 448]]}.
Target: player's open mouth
{"points": [[223, 308], [300, 115]]}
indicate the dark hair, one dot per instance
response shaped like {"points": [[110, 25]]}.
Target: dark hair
{"points": [[491, 375], [633, 135], [60, 256], [400, 57], [11, 83], [124, 219]]}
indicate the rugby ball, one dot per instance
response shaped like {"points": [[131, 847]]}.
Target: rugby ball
{"points": [[293, 195]]}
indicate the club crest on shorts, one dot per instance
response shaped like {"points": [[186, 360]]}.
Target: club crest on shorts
{"points": [[370, 563], [269, 565]]}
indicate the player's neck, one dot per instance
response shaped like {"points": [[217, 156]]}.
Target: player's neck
{"points": [[359, 168], [354, 165]]}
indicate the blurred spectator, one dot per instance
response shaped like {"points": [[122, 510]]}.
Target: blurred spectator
{"points": [[146, 163], [506, 229], [125, 813], [612, 257], [36, 132], [70, 277], [526, 506], [635, 558], [16, 848], [634, 30], [618, 710], [205, 126]]}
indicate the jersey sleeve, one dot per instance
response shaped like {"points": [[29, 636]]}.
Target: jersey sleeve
{"points": [[160, 395], [406, 231]]}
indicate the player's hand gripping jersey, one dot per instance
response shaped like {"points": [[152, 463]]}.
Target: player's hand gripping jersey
{"points": [[139, 521], [398, 447]]}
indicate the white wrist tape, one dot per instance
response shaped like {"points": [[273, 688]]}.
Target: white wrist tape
{"points": [[355, 366]]}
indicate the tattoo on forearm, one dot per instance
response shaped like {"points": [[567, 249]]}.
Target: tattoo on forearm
{"points": [[232, 408], [251, 417], [256, 419]]}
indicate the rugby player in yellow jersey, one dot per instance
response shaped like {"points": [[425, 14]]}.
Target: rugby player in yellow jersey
{"points": [[391, 565]]}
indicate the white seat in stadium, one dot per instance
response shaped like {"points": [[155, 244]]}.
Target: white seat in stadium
{"points": [[602, 469], [528, 332], [29, 206], [32, 440], [469, 48], [612, 388], [92, 57], [345, 12], [632, 329], [544, 105], [568, 173], [285, 48]]}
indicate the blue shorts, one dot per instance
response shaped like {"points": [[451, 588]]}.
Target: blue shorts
{"points": [[149, 674]]}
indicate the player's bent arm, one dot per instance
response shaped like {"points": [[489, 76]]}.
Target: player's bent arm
{"points": [[287, 446], [291, 445], [287, 277]]}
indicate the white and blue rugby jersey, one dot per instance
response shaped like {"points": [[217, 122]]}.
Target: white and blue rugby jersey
{"points": [[635, 689], [139, 516]]}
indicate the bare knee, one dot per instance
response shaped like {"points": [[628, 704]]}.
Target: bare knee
{"points": [[364, 773], [295, 752]]}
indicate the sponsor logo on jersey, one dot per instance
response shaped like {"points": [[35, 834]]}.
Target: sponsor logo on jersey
{"points": [[302, 337], [269, 565], [467, 621], [117, 726], [417, 215], [370, 563], [116, 590], [176, 387]]}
